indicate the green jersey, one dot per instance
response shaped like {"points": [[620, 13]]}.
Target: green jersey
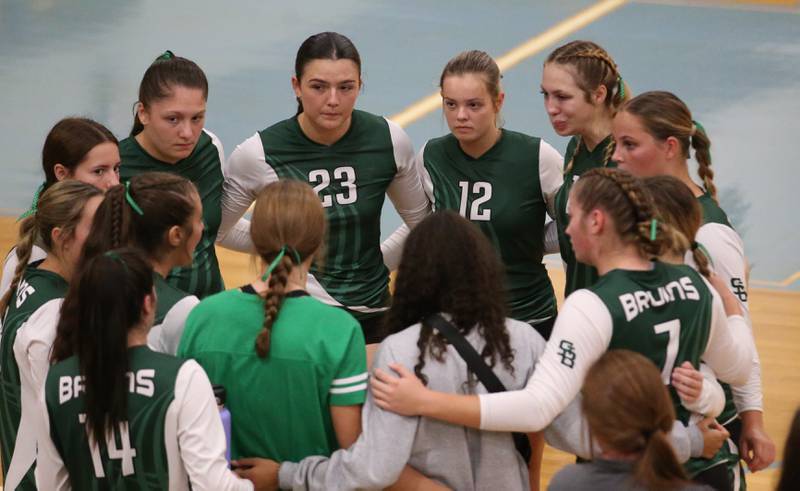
{"points": [[135, 454], [506, 192], [204, 168], [280, 404], [578, 275], [352, 177], [663, 313], [36, 289]]}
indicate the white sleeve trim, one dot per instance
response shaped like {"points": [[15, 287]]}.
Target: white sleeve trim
{"points": [[405, 190], [347, 390], [350, 380], [166, 336], [246, 174], [581, 335], [727, 256], [730, 351], [551, 174]]}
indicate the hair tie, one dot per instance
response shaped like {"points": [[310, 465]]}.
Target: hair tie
{"points": [[695, 245], [653, 229], [696, 126], [116, 257], [277, 260], [130, 199], [166, 55], [620, 87], [34, 203]]}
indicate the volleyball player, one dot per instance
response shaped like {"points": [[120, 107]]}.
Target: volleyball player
{"points": [[352, 159], [169, 135], [30, 310], [161, 215], [75, 148]]}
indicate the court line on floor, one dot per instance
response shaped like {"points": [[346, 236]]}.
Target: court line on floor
{"points": [[513, 57]]}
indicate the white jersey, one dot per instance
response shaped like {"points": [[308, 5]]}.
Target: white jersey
{"points": [[193, 437], [166, 335]]}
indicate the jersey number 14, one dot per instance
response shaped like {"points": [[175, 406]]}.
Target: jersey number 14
{"points": [[123, 451]]}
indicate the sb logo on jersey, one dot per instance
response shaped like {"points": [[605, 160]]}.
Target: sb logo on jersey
{"points": [[737, 285], [24, 290], [567, 353]]}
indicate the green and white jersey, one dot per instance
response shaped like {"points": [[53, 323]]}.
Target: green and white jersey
{"points": [[172, 309], [578, 275], [28, 330], [668, 313], [352, 176], [204, 168], [172, 437], [10, 265], [280, 405], [506, 192]]}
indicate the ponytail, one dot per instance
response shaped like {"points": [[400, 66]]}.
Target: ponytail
{"points": [[102, 306], [658, 469], [273, 300], [702, 153], [27, 236]]}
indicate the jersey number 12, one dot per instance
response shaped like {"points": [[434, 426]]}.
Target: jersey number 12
{"points": [[482, 192], [123, 452]]}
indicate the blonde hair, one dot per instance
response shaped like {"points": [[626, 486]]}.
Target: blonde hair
{"points": [[591, 66], [624, 198], [288, 217], [60, 206], [664, 115]]}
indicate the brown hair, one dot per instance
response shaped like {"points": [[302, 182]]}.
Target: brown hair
{"points": [[591, 66], [624, 198], [103, 304], [165, 73], [324, 46], [790, 471], [288, 214], [474, 62], [448, 265], [60, 206], [165, 200], [678, 207], [629, 410], [68, 143], [663, 114]]}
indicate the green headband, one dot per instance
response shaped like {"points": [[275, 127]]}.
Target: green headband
{"points": [[277, 260], [34, 203], [653, 229], [130, 200]]}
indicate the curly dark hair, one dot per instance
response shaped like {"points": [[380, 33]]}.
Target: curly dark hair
{"points": [[449, 266]]}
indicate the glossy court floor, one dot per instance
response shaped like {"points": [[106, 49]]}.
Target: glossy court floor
{"points": [[736, 63]]}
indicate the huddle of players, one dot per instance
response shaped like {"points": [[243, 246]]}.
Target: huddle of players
{"points": [[78, 302]]}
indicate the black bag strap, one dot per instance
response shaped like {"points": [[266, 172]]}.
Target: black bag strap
{"points": [[481, 370]]}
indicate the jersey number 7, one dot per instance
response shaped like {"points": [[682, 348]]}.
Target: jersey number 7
{"points": [[673, 328]]}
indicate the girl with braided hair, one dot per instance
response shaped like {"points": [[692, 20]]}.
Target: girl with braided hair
{"points": [[75, 148], [666, 312], [582, 89], [654, 133], [161, 215], [294, 368], [30, 311]]}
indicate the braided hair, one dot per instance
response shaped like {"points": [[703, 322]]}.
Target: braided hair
{"points": [[591, 66]]}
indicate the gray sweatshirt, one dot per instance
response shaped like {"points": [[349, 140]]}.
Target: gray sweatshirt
{"points": [[461, 458]]}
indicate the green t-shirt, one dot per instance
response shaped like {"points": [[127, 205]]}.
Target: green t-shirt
{"points": [[351, 177], [204, 168], [578, 275], [36, 288], [279, 405], [502, 193]]}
